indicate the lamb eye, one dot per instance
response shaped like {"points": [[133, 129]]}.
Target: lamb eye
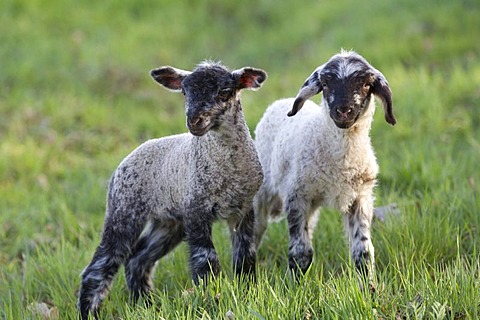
{"points": [[225, 93], [324, 84]]}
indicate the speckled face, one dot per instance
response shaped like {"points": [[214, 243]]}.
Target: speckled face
{"points": [[208, 92], [348, 82], [347, 86]]}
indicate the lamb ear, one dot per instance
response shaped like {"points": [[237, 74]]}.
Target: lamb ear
{"points": [[382, 91], [249, 78], [311, 87], [169, 77]]}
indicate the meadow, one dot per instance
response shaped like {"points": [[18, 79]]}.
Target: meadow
{"points": [[76, 98]]}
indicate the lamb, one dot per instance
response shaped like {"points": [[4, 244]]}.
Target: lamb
{"points": [[323, 157], [173, 188]]}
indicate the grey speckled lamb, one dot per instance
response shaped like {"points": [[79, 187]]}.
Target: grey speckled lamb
{"points": [[173, 188], [322, 156]]}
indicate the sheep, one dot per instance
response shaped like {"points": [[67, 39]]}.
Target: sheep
{"points": [[323, 157], [171, 189]]}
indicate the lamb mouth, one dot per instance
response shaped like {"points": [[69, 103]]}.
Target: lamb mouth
{"points": [[200, 131], [344, 124]]}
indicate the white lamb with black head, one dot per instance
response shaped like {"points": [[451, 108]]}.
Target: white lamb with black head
{"points": [[323, 157], [173, 188]]}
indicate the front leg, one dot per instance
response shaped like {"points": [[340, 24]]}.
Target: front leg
{"points": [[203, 257], [358, 221], [244, 254], [300, 251]]}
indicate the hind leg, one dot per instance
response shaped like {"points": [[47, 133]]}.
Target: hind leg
{"points": [[158, 239], [265, 206], [115, 246]]}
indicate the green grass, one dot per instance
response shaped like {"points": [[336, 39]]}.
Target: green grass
{"points": [[75, 98]]}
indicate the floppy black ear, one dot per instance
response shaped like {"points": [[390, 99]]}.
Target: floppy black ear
{"points": [[311, 87], [169, 77], [382, 91], [249, 78]]}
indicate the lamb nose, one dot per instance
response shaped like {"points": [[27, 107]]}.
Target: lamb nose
{"points": [[195, 121], [344, 114]]}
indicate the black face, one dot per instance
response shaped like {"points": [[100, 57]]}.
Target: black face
{"points": [[347, 87], [348, 83], [211, 90], [208, 94]]}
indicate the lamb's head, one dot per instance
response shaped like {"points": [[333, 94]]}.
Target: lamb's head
{"points": [[210, 91], [348, 82]]}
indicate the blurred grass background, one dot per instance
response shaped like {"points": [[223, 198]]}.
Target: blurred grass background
{"points": [[76, 98]]}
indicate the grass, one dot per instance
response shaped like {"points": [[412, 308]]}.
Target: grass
{"points": [[75, 98]]}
